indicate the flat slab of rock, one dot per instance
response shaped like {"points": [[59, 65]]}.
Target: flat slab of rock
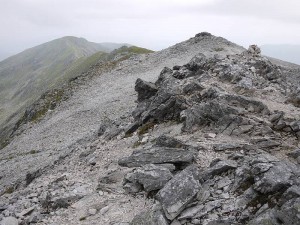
{"points": [[158, 155], [150, 176], [276, 178], [179, 192], [152, 217], [218, 168], [290, 211], [9, 221]]}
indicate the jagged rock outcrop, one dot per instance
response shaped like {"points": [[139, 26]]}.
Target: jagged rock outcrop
{"points": [[220, 96]]}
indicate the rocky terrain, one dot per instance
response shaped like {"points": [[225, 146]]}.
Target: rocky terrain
{"points": [[204, 132]]}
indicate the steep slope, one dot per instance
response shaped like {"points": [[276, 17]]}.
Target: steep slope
{"points": [[69, 127], [289, 53]]}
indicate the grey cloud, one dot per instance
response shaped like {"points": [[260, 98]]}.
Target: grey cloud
{"points": [[285, 11], [153, 24]]}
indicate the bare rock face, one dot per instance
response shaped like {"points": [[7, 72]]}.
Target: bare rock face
{"points": [[254, 50], [9, 221], [152, 217], [158, 155], [219, 95], [150, 177], [179, 192], [144, 89]]}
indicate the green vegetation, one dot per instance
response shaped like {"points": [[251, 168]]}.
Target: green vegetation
{"points": [[134, 49]]}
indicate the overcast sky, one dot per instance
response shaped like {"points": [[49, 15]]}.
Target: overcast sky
{"points": [[153, 24]]}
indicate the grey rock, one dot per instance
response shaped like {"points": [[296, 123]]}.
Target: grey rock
{"points": [[280, 125], [64, 202], [150, 176], [9, 221], [203, 195], [169, 166], [289, 212], [294, 98], [244, 199], [158, 155], [208, 207], [35, 217], [27, 211], [164, 75], [247, 103], [265, 143], [190, 212], [223, 182], [268, 218], [204, 114], [192, 87], [218, 168], [254, 50], [295, 126], [132, 187], [144, 89], [294, 154], [277, 178], [275, 117], [104, 126], [151, 217], [179, 192], [203, 34], [290, 193], [167, 141], [225, 146]]}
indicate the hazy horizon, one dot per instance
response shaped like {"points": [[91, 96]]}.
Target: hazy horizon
{"points": [[154, 25]]}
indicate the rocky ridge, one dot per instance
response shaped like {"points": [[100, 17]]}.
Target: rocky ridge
{"points": [[249, 184], [214, 141]]}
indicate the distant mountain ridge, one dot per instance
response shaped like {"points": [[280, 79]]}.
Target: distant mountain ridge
{"points": [[286, 52]]}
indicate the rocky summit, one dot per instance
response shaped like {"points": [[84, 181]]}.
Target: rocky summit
{"points": [[204, 132]]}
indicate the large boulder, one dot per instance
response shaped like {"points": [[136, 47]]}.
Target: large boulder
{"points": [[144, 89], [290, 212], [179, 192], [150, 177], [158, 155], [153, 216]]}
